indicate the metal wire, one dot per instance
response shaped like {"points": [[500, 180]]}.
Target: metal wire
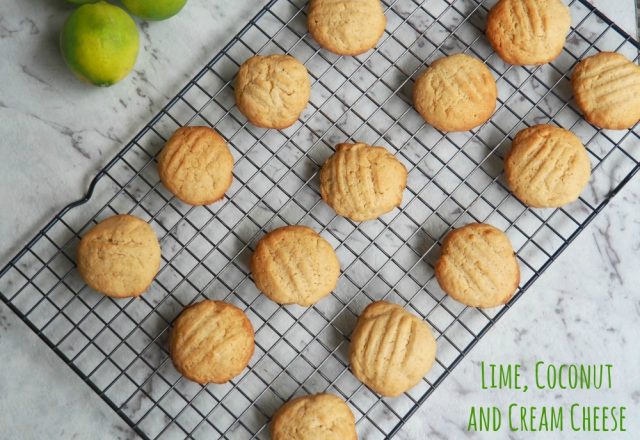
{"points": [[119, 347]]}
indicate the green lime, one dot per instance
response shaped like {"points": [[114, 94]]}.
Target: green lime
{"points": [[154, 9], [99, 43], [80, 2]]}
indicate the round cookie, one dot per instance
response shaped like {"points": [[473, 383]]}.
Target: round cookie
{"points": [[361, 182], [295, 265], [315, 417], [607, 90], [528, 31], [547, 166], [272, 91], [119, 256], [477, 266], [346, 27], [211, 342], [196, 165], [456, 93], [391, 349]]}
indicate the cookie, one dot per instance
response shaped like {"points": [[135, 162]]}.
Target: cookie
{"points": [[346, 27], [315, 417], [607, 90], [272, 91], [361, 182], [477, 266], [528, 31], [211, 342], [119, 256], [391, 349], [295, 265], [196, 165], [456, 93], [547, 166]]}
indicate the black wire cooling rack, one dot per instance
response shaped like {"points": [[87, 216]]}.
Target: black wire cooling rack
{"points": [[118, 347]]}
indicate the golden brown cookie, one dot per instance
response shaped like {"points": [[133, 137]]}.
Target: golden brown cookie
{"points": [[346, 27], [391, 349], [196, 165], [528, 31], [607, 89], [211, 342], [119, 256], [362, 182], [456, 93], [547, 166], [272, 91], [295, 265], [477, 266], [315, 417]]}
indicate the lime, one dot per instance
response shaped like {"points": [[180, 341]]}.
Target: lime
{"points": [[154, 9], [99, 43], [80, 2]]}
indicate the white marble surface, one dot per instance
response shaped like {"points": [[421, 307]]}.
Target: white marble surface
{"points": [[56, 133]]}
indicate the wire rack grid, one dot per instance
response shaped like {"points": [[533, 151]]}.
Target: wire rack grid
{"points": [[118, 347]]}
